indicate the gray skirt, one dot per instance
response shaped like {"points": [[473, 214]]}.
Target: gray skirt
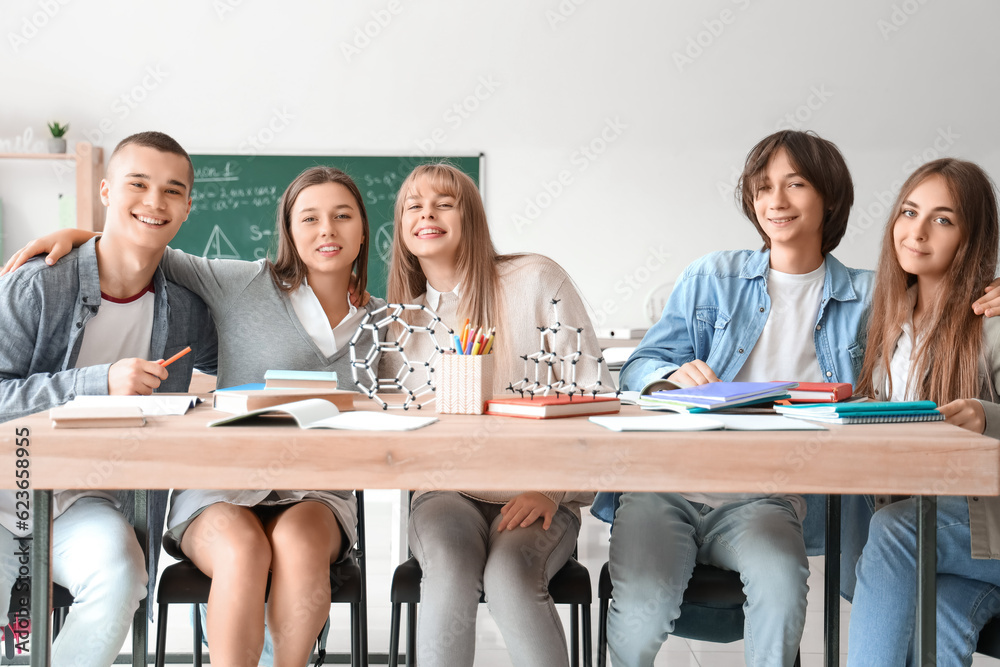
{"points": [[187, 505]]}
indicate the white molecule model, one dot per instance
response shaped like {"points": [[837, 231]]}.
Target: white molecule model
{"points": [[552, 373], [365, 371]]}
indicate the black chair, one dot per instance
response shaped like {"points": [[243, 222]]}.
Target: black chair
{"points": [[62, 600], [183, 583], [989, 638], [570, 585], [712, 610]]}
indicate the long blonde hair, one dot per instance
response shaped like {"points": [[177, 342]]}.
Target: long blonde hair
{"points": [[946, 366], [477, 261]]}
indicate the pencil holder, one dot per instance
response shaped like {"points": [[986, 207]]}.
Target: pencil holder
{"points": [[465, 383]]}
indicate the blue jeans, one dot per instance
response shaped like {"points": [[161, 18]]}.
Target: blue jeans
{"points": [[96, 556], [656, 541], [884, 612]]}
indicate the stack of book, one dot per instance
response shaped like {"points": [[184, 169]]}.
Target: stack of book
{"points": [[873, 412], [819, 392], [716, 396]]}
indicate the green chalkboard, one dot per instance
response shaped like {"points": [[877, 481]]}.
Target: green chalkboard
{"points": [[236, 199]]}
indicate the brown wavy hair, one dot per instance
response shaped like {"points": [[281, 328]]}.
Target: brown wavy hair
{"points": [[288, 270], [818, 161], [478, 260], [946, 366]]}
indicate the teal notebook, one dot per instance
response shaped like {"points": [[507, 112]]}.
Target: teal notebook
{"points": [[865, 407]]}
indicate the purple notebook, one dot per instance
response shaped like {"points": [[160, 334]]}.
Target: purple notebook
{"points": [[724, 392]]}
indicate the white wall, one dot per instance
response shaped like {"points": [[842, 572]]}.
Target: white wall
{"points": [[892, 82]]}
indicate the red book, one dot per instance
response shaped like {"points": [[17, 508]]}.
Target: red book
{"points": [[820, 392], [550, 407]]}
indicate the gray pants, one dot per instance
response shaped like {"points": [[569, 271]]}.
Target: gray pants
{"points": [[455, 539]]}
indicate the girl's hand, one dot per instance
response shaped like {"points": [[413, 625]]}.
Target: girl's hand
{"points": [[694, 373], [56, 244], [988, 305], [966, 413], [525, 509]]}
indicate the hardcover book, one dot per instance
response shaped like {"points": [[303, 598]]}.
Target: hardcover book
{"points": [[549, 407]]}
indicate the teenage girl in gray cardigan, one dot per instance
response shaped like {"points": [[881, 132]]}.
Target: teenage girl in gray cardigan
{"points": [[294, 314]]}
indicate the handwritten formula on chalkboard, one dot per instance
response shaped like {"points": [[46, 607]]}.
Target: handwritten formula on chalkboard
{"points": [[235, 201]]}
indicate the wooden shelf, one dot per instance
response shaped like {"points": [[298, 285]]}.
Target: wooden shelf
{"points": [[89, 172], [39, 156]]}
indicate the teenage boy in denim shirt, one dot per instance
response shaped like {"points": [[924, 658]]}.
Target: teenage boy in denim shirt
{"points": [[95, 324], [789, 311]]}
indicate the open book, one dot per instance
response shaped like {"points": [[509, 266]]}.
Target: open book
{"points": [[317, 413]]}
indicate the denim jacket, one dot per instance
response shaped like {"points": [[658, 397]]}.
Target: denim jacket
{"points": [[718, 309], [716, 313], [45, 310]]}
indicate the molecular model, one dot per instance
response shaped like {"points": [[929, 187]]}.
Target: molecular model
{"points": [[365, 371], [552, 373]]}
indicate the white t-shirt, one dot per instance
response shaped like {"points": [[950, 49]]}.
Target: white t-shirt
{"points": [[121, 329], [784, 351], [313, 318]]}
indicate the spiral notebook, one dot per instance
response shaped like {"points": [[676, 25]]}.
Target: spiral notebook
{"points": [[872, 412]]}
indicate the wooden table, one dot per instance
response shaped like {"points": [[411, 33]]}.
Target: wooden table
{"points": [[925, 459]]}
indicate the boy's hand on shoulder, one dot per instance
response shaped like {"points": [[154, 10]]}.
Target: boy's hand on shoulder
{"points": [[693, 373], [525, 509], [966, 413], [135, 377], [989, 303]]}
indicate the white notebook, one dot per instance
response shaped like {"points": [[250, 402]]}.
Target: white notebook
{"points": [[717, 422]]}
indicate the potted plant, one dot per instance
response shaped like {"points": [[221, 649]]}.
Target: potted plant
{"points": [[57, 142]]}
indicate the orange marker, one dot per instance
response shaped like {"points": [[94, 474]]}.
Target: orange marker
{"points": [[175, 357], [465, 332]]}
